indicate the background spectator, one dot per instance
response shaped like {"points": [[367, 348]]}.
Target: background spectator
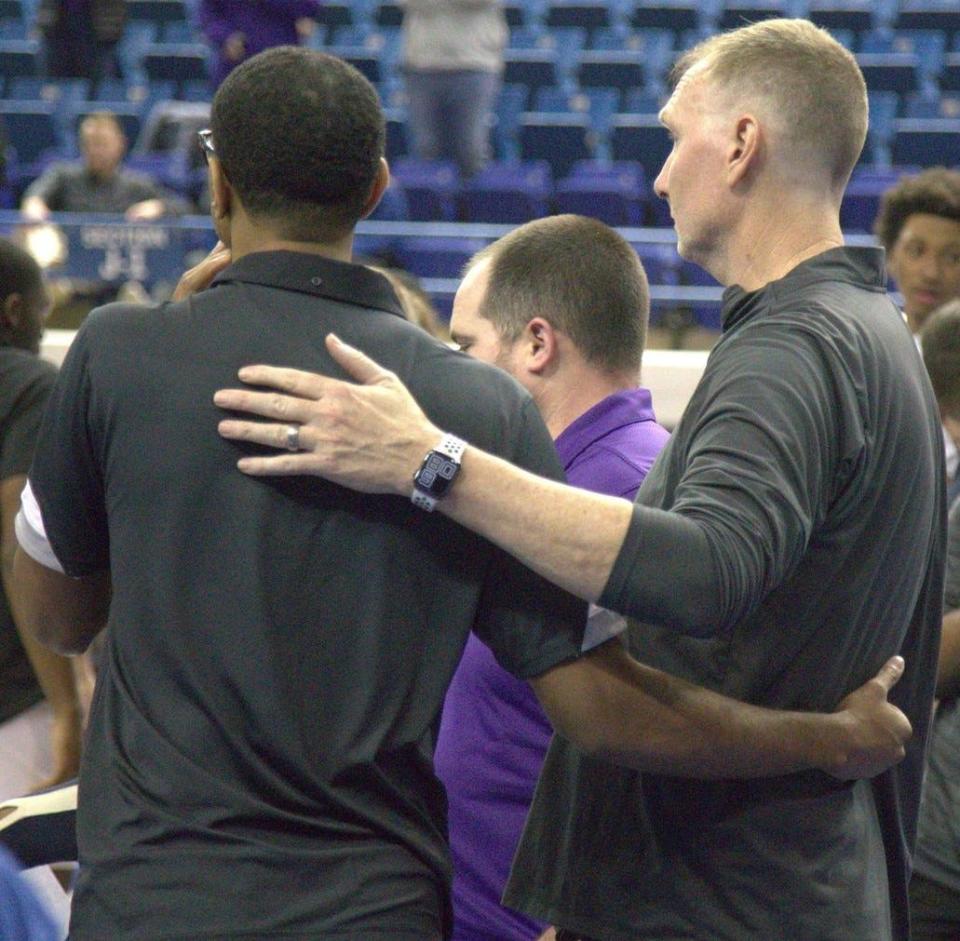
{"points": [[80, 36], [28, 672], [453, 57], [99, 184], [239, 29]]}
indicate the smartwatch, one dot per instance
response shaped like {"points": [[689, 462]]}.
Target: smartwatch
{"points": [[437, 472]]}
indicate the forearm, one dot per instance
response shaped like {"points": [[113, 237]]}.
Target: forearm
{"points": [[633, 715], [569, 536], [948, 668]]}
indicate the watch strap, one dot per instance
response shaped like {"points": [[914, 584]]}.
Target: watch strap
{"points": [[450, 446]]}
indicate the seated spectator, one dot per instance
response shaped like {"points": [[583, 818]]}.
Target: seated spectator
{"points": [[238, 29], [99, 184]]}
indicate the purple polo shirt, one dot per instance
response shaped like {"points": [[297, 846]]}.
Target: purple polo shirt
{"points": [[494, 735]]}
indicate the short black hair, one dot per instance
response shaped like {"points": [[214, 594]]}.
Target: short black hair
{"points": [[581, 276], [940, 341], [19, 274], [935, 192], [299, 135]]}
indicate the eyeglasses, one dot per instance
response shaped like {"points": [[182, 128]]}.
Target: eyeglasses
{"points": [[205, 139]]}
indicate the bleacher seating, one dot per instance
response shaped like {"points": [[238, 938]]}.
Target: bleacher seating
{"points": [[508, 192]]}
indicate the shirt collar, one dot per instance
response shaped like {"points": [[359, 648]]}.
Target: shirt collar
{"points": [[314, 274], [625, 407], [863, 266]]}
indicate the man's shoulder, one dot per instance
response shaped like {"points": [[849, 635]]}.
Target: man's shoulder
{"points": [[20, 368]]}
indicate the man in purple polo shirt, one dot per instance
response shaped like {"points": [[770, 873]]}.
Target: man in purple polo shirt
{"points": [[561, 304]]}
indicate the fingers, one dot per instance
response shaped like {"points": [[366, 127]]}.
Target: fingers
{"points": [[357, 364], [890, 673], [199, 277], [305, 385], [266, 404], [256, 432]]}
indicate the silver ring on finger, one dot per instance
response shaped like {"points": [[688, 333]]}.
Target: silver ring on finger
{"points": [[293, 437]]}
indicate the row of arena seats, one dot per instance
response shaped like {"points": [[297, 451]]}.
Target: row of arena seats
{"points": [[622, 56]]}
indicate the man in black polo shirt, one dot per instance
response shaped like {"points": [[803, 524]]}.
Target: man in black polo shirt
{"points": [[260, 759], [788, 539]]}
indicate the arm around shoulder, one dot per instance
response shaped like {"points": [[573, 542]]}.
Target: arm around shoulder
{"points": [[613, 707]]}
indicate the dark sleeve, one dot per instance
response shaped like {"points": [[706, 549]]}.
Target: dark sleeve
{"points": [[67, 474], [951, 581], [49, 187], [528, 623], [761, 463], [22, 423]]}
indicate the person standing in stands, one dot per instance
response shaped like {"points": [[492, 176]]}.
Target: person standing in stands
{"points": [[260, 753], [561, 304], [40, 711], [789, 537], [239, 29], [452, 61], [100, 183], [80, 37]]}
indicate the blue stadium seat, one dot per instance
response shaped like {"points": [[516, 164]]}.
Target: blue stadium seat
{"points": [[932, 106], [654, 46], [431, 187], [31, 128], [12, 10], [508, 192], [13, 29], [643, 101], [950, 73], [599, 104], [577, 13], [512, 101], [138, 36], [611, 192], [675, 15], [660, 260], [942, 15], [883, 110], [157, 11], [176, 62], [61, 91], [855, 15], [368, 62], [179, 31], [861, 200], [891, 71], [531, 67], [560, 139], [19, 57], [334, 15], [437, 257], [611, 68], [393, 205], [389, 14], [642, 138], [926, 142], [741, 12], [397, 144]]}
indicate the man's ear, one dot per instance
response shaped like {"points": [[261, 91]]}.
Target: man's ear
{"points": [[11, 311], [380, 184], [539, 341], [221, 193], [744, 152]]}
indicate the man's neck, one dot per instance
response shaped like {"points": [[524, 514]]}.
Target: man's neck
{"points": [[563, 401], [774, 239], [247, 239]]}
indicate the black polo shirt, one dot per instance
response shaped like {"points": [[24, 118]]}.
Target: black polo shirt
{"points": [[260, 754], [805, 546]]}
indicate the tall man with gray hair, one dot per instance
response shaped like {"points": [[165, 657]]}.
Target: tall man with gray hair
{"points": [[790, 536]]}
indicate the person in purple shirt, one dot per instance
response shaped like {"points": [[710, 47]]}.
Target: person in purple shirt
{"points": [[561, 304], [239, 29]]}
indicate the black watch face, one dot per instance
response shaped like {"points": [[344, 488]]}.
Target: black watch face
{"points": [[436, 474]]}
